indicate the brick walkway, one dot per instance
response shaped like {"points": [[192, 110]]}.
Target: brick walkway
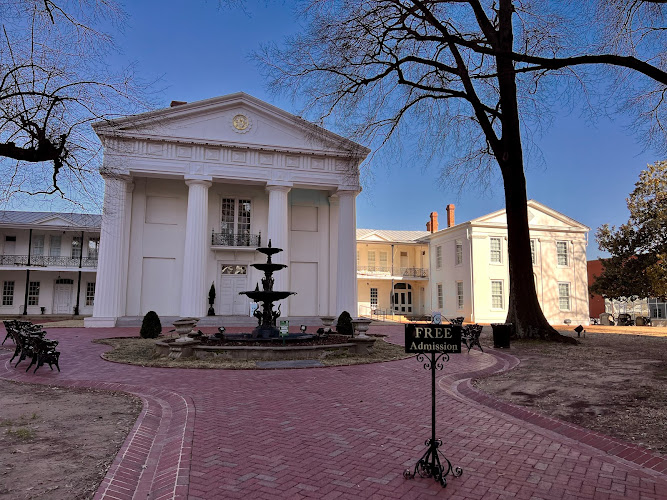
{"points": [[341, 433]]}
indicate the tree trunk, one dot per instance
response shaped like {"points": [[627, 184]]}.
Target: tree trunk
{"points": [[524, 310]]}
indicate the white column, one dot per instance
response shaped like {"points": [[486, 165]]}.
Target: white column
{"points": [[109, 297], [346, 282], [278, 233], [193, 287]]}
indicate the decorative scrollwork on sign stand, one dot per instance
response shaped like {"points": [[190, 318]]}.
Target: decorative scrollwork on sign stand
{"points": [[433, 463]]}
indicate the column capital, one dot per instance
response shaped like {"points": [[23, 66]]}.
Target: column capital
{"points": [[346, 191], [283, 187], [112, 174], [198, 181]]}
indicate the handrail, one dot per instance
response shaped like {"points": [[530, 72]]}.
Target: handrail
{"points": [[46, 261], [405, 272], [236, 240]]}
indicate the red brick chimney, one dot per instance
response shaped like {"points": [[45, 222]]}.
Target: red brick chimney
{"points": [[433, 222], [428, 227], [450, 215]]}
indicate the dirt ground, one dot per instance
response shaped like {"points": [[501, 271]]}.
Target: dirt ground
{"points": [[614, 383], [56, 443]]}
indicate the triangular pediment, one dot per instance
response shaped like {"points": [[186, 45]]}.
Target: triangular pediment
{"points": [[539, 216], [373, 237], [54, 221], [236, 119]]}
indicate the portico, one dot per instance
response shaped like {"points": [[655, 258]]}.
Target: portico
{"points": [[191, 190]]}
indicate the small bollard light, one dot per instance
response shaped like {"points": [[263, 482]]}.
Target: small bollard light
{"points": [[221, 333], [580, 329], [303, 328]]}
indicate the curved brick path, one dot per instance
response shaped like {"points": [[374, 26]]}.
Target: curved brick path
{"points": [[341, 432]]}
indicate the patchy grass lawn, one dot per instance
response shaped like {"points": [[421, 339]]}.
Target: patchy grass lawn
{"points": [[614, 383], [58, 443]]}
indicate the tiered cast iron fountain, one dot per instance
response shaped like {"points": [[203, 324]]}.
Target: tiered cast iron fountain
{"points": [[266, 324]]}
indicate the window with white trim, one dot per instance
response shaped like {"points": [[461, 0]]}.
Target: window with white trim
{"points": [[497, 296], [93, 248], [90, 294], [33, 293], [233, 269], [235, 218], [383, 262], [438, 257], [496, 255], [374, 298], [76, 247], [440, 297], [54, 245], [564, 296], [371, 260], [458, 259], [459, 295], [37, 245], [533, 257], [561, 253], [8, 293]]}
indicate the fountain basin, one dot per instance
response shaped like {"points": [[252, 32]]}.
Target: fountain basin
{"points": [[261, 296], [275, 352], [269, 266]]}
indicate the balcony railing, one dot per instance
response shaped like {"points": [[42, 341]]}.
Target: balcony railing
{"points": [[236, 240], [405, 272], [47, 261]]}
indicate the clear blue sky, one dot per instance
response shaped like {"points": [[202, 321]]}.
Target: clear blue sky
{"points": [[201, 51]]}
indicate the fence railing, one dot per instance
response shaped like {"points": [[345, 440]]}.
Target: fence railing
{"points": [[236, 240], [47, 261], [388, 314], [405, 272]]}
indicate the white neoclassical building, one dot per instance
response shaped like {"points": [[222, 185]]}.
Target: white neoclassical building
{"points": [[462, 270], [191, 190]]}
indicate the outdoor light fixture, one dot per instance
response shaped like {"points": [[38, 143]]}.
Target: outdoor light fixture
{"points": [[303, 328], [221, 333], [580, 329]]}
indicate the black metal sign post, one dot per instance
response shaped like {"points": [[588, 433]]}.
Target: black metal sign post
{"points": [[438, 341]]}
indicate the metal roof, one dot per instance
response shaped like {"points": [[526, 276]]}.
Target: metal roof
{"points": [[41, 219]]}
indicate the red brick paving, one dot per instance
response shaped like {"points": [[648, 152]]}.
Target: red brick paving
{"points": [[342, 433]]}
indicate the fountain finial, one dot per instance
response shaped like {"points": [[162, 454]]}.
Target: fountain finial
{"points": [[269, 242], [257, 287]]}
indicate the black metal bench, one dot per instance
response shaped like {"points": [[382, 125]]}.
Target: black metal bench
{"points": [[31, 342], [470, 336]]}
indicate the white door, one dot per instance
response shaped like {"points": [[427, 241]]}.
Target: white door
{"points": [[233, 279], [403, 298], [62, 299]]}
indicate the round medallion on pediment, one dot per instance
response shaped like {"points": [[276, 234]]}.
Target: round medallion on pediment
{"points": [[241, 123]]}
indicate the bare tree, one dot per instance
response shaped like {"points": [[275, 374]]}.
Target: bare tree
{"points": [[54, 81], [469, 77]]}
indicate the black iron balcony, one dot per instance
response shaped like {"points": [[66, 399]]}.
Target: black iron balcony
{"points": [[386, 271], [236, 240], [47, 261]]}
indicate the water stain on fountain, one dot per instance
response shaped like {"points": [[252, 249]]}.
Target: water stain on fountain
{"points": [[266, 316]]}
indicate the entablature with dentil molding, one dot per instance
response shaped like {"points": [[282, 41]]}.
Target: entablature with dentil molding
{"points": [[169, 158]]}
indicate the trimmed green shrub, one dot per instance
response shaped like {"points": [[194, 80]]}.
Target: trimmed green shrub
{"points": [[344, 324], [151, 326]]}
